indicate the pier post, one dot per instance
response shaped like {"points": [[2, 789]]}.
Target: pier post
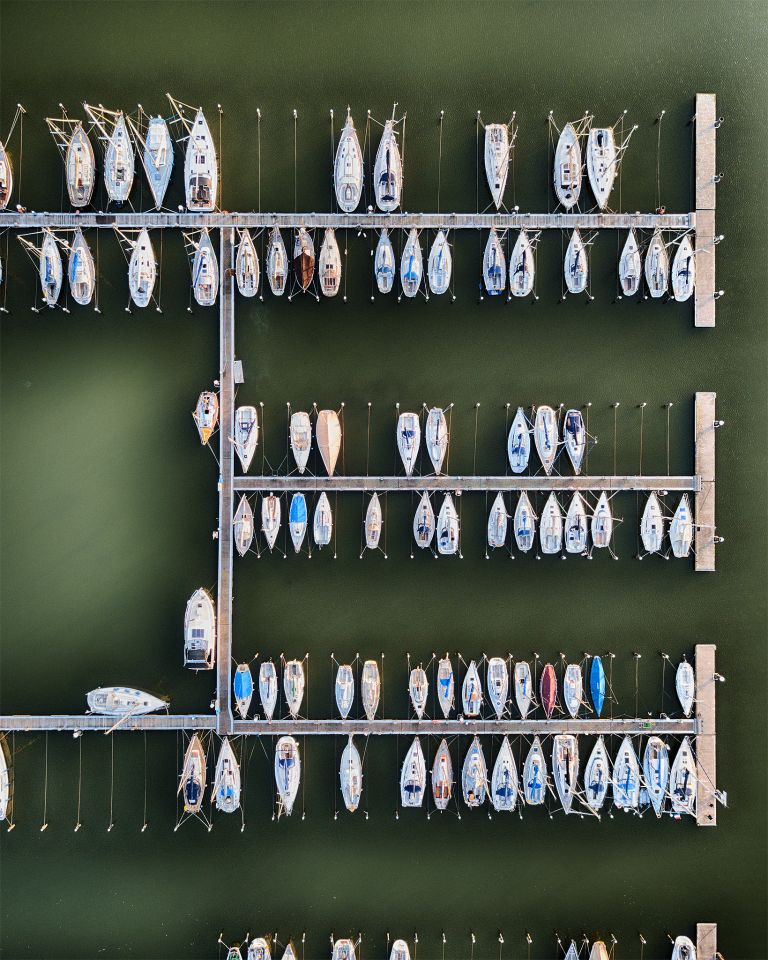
{"points": [[706, 741], [704, 498], [706, 941], [706, 134]]}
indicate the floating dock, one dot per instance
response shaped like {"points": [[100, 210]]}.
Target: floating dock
{"points": [[706, 941], [704, 501], [706, 735], [706, 191]]}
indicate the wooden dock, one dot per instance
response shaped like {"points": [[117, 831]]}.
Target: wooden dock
{"points": [[706, 941], [704, 499], [706, 735], [706, 191]]}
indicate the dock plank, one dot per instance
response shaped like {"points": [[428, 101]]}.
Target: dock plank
{"points": [[704, 499], [704, 291], [706, 941]]}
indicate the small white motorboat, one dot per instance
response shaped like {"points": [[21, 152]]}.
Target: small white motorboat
{"points": [[445, 685], [119, 162], [293, 686], [494, 266], [498, 522], [268, 688], [345, 689], [246, 435], [575, 438], [348, 168], [656, 772], [411, 265], [472, 691], [568, 167], [602, 158], [535, 775], [200, 631], [300, 432], [685, 686], [201, 172], [329, 265], [565, 768], [442, 776], [418, 690], [440, 264], [576, 265], [551, 526], [576, 525], [247, 271], [522, 269], [683, 270], [408, 440], [157, 158], [524, 522], [546, 436], [523, 686], [424, 522], [193, 776], [652, 525], [683, 949], [388, 170], [242, 685], [602, 522], [51, 269], [597, 776], [303, 258], [474, 776], [370, 688], [681, 529], [497, 679], [6, 177], [448, 528], [343, 950], [573, 689], [142, 270], [205, 272], [630, 266], [384, 263], [504, 779], [244, 527], [81, 271], [497, 160], [657, 266], [206, 415], [373, 522], [123, 702], [322, 524], [519, 442], [80, 168], [683, 780], [226, 781], [351, 776], [626, 777], [287, 772], [271, 515], [277, 263], [297, 520], [436, 435], [328, 434], [413, 776]]}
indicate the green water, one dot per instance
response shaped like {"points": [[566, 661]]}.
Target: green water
{"points": [[108, 503]]}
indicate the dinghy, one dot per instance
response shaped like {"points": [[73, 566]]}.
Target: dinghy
{"points": [[472, 691], [411, 265], [303, 258], [494, 266], [142, 270], [504, 781], [345, 689], [602, 523], [602, 160], [546, 436], [370, 688], [123, 702], [200, 631], [384, 263], [656, 772], [565, 768], [474, 776], [573, 689], [657, 266], [80, 168], [576, 525], [244, 528], [436, 435], [293, 686], [206, 415], [348, 168], [351, 776], [445, 685], [440, 265], [413, 776], [81, 271], [271, 513], [535, 775], [551, 527], [158, 158], [205, 272], [192, 780], [448, 528], [497, 160], [597, 776], [226, 782], [322, 525], [400, 951], [118, 162], [575, 438], [297, 520], [523, 685], [442, 776], [300, 431], [388, 170], [201, 173], [418, 689], [683, 949], [6, 177], [575, 265], [424, 522], [497, 523], [497, 679], [519, 442], [246, 435], [243, 689], [597, 684], [548, 690], [329, 264], [343, 950], [522, 269], [626, 777], [268, 688], [258, 949], [630, 266], [681, 529], [652, 525], [685, 686], [328, 434], [524, 523], [408, 440], [247, 270], [51, 269], [287, 772], [568, 167], [373, 520], [277, 263], [683, 270]]}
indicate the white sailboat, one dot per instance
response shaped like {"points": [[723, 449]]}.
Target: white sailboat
{"points": [[681, 529], [424, 522], [80, 168], [498, 522], [351, 776], [497, 160], [157, 158], [683, 780], [271, 514], [408, 440], [329, 264], [597, 776], [535, 775], [411, 264], [123, 702], [297, 520], [119, 162], [6, 177], [523, 686], [413, 776], [81, 271], [226, 781], [568, 167], [370, 688], [348, 168], [576, 525], [576, 265], [602, 158], [685, 686], [246, 435], [442, 776], [494, 266], [373, 522], [328, 434], [193, 776], [201, 173], [522, 269], [200, 631], [205, 272], [683, 270], [258, 949], [293, 686], [322, 525], [683, 949], [247, 271], [519, 442], [599, 951], [436, 435], [626, 777], [474, 775], [630, 266], [268, 688], [277, 263], [440, 264], [400, 951], [206, 415], [244, 527], [344, 689], [546, 436], [504, 779], [497, 679], [51, 269], [551, 527], [573, 689], [300, 432], [287, 772], [472, 691], [242, 685], [388, 170], [448, 528], [303, 258], [575, 438], [657, 266], [565, 768], [445, 685], [602, 523], [524, 522], [142, 270], [343, 950], [656, 772], [652, 525], [384, 263], [418, 690]]}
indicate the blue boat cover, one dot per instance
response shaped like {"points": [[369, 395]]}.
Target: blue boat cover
{"points": [[597, 684], [298, 510], [243, 684]]}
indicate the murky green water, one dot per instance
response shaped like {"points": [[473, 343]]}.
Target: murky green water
{"points": [[108, 502]]}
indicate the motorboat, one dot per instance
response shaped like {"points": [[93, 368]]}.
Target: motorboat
{"points": [[498, 522], [568, 167], [408, 440], [277, 263], [575, 438], [576, 525], [652, 525], [246, 435], [681, 529], [442, 776], [504, 779], [548, 690], [626, 777], [656, 772], [123, 702], [400, 951], [565, 768], [424, 522], [244, 527], [445, 685], [345, 689], [287, 772], [597, 776], [293, 686], [328, 434], [436, 436], [474, 776], [472, 691], [268, 688], [243, 689], [51, 269], [522, 269], [373, 521], [411, 265], [524, 522], [200, 631], [351, 776], [259, 949], [576, 265], [519, 442], [303, 258], [685, 686], [206, 415], [226, 781], [271, 514], [329, 265], [573, 689], [440, 264], [384, 263], [119, 162], [448, 528], [370, 688], [297, 520], [535, 775], [80, 168], [157, 158], [597, 684], [418, 689], [142, 269], [497, 160], [247, 271], [657, 266], [81, 271], [193, 776], [348, 168], [551, 527], [601, 527], [6, 177], [683, 270], [413, 776], [546, 436], [388, 170], [494, 266], [322, 524], [630, 266], [683, 949], [497, 681], [205, 272], [343, 950], [201, 172], [523, 687], [602, 161], [300, 432]]}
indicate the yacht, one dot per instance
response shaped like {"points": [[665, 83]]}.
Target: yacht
{"points": [[303, 258], [519, 442], [271, 513], [244, 527], [81, 271], [123, 702], [226, 781], [551, 527], [277, 263], [497, 522], [142, 270], [626, 777], [497, 160], [575, 438], [351, 776], [681, 529], [436, 435], [193, 773], [535, 775], [522, 269], [576, 526], [158, 158], [448, 528], [388, 170], [373, 520], [548, 690], [300, 432], [599, 951], [206, 415], [119, 162], [200, 631], [685, 686], [293, 686], [602, 158], [442, 776], [205, 272], [51, 269], [573, 689], [243, 689], [630, 266], [329, 265], [268, 688], [683, 949], [370, 688], [345, 689], [297, 520], [523, 687], [568, 167], [247, 270], [652, 525], [474, 776], [602, 523], [565, 768], [546, 436], [418, 688], [400, 951], [440, 265], [348, 168], [328, 434], [201, 174], [287, 772], [524, 522], [246, 435], [343, 950], [322, 525], [408, 440], [497, 680], [472, 691], [494, 266], [384, 263], [597, 776], [413, 776], [445, 685], [504, 780], [683, 270], [657, 266], [656, 772], [411, 265], [576, 266], [80, 168], [424, 522]]}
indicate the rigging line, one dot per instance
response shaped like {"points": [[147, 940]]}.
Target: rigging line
{"points": [[440, 159], [295, 168], [642, 413], [668, 409], [79, 781], [111, 783], [258, 165], [615, 409], [144, 826], [474, 454], [45, 788]]}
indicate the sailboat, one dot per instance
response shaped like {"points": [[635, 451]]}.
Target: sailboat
{"points": [[258, 949], [494, 266], [413, 776], [573, 689], [568, 172], [442, 776], [411, 265], [683, 270], [656, 772], [277, 263], [523, 687], [551, 527], [599, 951], [329, 264], [388, 170], [206, 415], [373, 521], [597, 776], [474, 776], [497, 679], [303, 258], [576, 266], [351, 776], [200, 631], [81, 271], [300, 432], [192, 780], [271, 513], [226, 781], [685, 686], [244, 528], [440, 264], [80, 168], [681, 529], [472, 691], [497, 522], [519, 442], [576, 525], [497, 160], [535, 775], [652, 525], [418, 689], [51, 269], [246, 435], [565, 767], [297, 520], [370, 688], [384, 263], [400, 951], [119, 162], [445, 685], [322, 525], [657, 266], [504, 780], [424, 522], [247, 270], [522, 269], [348, 168], [201, 173], [345, 689], [142, 269], [597, 684], [123, 702], [343, 950], [572, 952], [157, 158], [243, 689], [548, 690], [575, 438], [546, 436], [683, 949], [268, 688], [6, 177], [293, 686], [408, 440], [524, 522], [448, 528], [205, 272], [436, 435], [328, 433], [626, 777], [630, 266], [287, 772], [602, 158], [602, 523]]}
